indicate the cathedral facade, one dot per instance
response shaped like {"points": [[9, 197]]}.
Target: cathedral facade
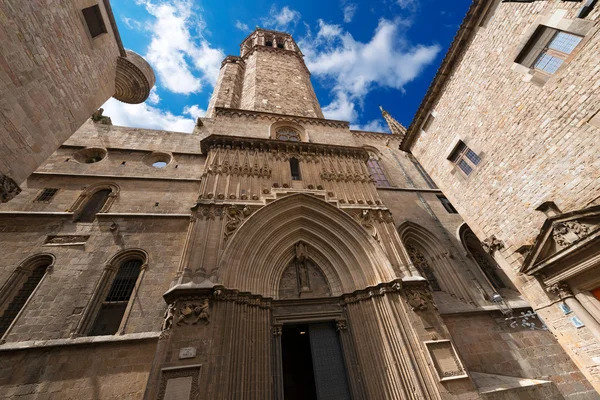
{"points": [[270, 254]]}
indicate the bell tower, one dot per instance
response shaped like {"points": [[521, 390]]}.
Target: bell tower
{"points": [[268, 76]]}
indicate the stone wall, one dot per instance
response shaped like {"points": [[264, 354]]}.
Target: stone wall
{"points": [[55, 77], [101, 371]]}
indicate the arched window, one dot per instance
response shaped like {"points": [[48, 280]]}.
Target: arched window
{"points": [[287, 134], [423, 267], [486, 263], [295, 169], [20, 286], [113, 307], [93, 206], [93, 200], [376, 170]]}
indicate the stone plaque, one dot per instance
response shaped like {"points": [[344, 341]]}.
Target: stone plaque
{"points": [[179, 383], [178, 388], [445, 360], [187, 352]]}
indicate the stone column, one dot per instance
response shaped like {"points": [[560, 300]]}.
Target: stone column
{"points": [[563, 291]]}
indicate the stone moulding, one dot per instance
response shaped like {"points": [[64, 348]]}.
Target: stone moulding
{"points": [[249, 114], [58, 240], [276, 146], [445, 360]]}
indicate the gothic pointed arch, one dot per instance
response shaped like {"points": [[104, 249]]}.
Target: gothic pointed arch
{"points": [[303, 278], [484, 261], [430, 257], [257, 255]]}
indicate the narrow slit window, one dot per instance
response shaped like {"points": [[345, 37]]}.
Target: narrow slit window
{"points": [[377, 172], [93, 19], [464, 158], [447, 205], [113, 308], [295, 169], [46, 195]]}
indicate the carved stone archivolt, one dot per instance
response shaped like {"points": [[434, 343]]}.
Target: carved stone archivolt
{"points": [[567, 233], [492, 244]]}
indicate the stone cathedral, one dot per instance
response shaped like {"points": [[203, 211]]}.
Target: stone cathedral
{"points": [[270, 254]]}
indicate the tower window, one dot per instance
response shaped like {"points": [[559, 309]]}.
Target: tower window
{"points": [[114, 306], [94, 205], [287, 134], [280, 45], [447, 205], [376, 170], [46, 196], [94, 20], [464, 158], [295, 169], [548, 49], [269, 43]]}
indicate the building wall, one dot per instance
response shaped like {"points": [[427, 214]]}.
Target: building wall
{"points": [[55, 76], [537, 143]]}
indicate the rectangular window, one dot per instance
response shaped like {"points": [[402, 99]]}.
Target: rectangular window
{"points": [[548, 49], [464, 158], [94, 20], [447, 205], [428, 121], [46, 196]]}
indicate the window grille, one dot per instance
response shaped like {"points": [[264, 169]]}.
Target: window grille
{"points": [[423, 267], [465, 158], [46, 196], [93, 19], [113, 308], [295, 169], [18, 302], [288, 134], [447, 205], [94, 205], [376, 170]]}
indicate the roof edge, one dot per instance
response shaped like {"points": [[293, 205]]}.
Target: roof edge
{"points": [[459, 44]]}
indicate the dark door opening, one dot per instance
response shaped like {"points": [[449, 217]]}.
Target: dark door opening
{"points": [[298, 374], [313, 363]]}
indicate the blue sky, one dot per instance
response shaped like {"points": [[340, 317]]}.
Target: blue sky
{"points": [[361, 53]]}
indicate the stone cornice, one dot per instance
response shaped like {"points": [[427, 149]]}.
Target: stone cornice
{"points": [[236, 112], [451, 60], [280, 146], [376, 135], [267, 49]]}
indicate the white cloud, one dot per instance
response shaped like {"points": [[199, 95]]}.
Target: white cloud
{"points": [[283, 20], [387, 60], [153, 98], [194, 111], [241, 26], [183, 60], [376, 125], [146, 116], [133, 24], [349, 11], [408, 4]]}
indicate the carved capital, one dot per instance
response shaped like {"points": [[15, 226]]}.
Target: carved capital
{"points": [[341, 325], [492, 244], [8, 188], [277, 330], [562, 290]]}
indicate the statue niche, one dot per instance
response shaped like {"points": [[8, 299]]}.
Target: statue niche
{"points": [[302, 278]]}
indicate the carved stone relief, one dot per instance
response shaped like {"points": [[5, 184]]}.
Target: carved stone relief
{"points": [[567, 233], [492, 244], [8, 188], [235, 216], [419, 298], [192, 312]]}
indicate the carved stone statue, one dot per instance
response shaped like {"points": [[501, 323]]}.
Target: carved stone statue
{"points": [[101, 119], [192, 313], [168, 318]]}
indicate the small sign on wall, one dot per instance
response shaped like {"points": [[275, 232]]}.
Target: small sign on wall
{"points": [[187, 352], [564, 308]]}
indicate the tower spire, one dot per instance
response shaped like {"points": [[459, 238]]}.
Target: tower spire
{"points": [[395, 127]]}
